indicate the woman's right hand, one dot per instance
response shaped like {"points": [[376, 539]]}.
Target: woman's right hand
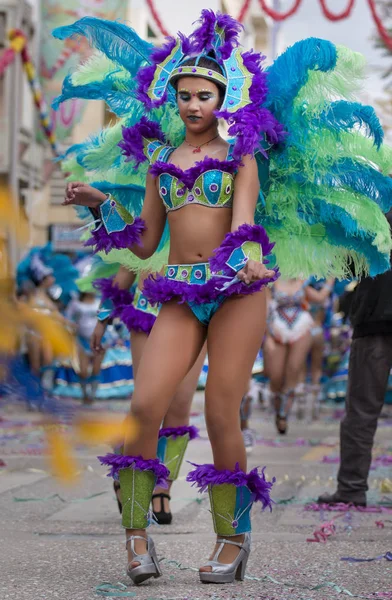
{"points": [[83, 194], [96, 338]]}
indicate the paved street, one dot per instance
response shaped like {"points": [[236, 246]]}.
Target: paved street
{"points": [[66, 542]]}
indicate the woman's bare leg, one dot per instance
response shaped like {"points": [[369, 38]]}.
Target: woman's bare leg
{"points": [[84, 364], [275, 356], [317, 354], [178, 415], [169, 353], [138, 342], [97, 361], [179, 410], [297, 353], [234, 337]]}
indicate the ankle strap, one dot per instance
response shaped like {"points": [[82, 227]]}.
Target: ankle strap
{"points": [[225, 541], [134, 537], [161, 495]]}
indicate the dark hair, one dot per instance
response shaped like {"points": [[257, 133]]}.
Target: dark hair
{"points": [[206, 62], [84, 295]]}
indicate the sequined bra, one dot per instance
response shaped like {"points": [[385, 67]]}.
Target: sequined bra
{"points": [[209, 182]]}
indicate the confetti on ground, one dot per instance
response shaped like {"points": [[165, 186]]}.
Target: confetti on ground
{"points": [[387, 556]]}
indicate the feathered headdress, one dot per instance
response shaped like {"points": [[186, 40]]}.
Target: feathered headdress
{"points": [[240, 73]]}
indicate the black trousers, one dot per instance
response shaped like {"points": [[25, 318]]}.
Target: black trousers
{"points": [[369, 368]]}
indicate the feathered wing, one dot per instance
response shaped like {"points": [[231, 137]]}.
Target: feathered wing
{"points": [[111, 75], [121, 44], [329, 183], [99, 162]]}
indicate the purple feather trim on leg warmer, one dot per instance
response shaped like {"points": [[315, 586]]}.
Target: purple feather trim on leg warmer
{"points": [[205, 475], [111, 291], [137, 320], [118, 462], [175, 432], [105, 242], [234, 240]]}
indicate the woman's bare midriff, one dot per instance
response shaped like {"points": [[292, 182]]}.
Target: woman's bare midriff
{"points": [[195, 231]]}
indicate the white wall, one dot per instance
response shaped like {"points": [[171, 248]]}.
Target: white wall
{"points": [[178, 15], [355, 32]]}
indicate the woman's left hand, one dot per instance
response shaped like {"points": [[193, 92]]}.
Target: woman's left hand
{"points": [[254, 271]]}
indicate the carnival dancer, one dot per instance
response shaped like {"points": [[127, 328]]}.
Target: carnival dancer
{"points": [[209, 192], [34, 271], [139, 315], [82, 313], [289, 341]]}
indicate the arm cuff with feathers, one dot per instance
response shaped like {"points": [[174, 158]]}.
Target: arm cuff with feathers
{"points": [[116, 228]]}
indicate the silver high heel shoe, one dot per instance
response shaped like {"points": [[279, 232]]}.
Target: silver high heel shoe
{"points": [[223, 573], [149, 565]]}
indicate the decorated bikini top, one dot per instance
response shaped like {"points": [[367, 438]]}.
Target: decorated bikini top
{"points": [[209, 182]]}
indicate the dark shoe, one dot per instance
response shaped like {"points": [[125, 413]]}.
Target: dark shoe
{"points": [[117, 491], [281, 424], [162, 517], [337, 498]]}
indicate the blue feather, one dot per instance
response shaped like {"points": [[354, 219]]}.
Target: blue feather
{"points": [[120, 101], [290, 71], [20, 384], [342, 116], [341, 229], [83, 213], [74, 149], [118, 42], [361, 179]]}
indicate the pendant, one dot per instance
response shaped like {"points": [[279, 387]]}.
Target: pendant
{"points": [[196, 150]]}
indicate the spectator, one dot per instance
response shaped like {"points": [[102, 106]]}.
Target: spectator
{"points": [[369, 368]]}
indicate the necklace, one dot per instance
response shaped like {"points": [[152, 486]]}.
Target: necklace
{"points": [[198, 148]]}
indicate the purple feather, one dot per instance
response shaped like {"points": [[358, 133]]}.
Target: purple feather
{"points": [[111, 291], [233, 240], [205, 475], [248, 124], [144, 78], [175, 432], [232, 29], [132, 144], [258, 90], [118, 462], [137, 320], [189, 176], [159, 289], [204, 37], [105, 242], [146, 75]]}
